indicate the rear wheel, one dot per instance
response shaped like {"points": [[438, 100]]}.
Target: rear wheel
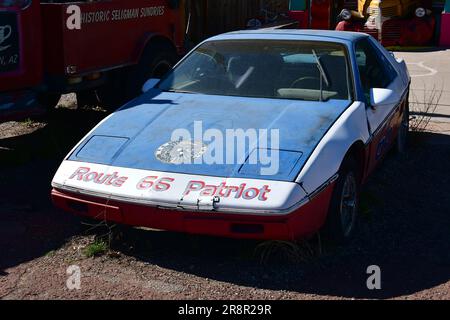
{"points": [[343, 212]]}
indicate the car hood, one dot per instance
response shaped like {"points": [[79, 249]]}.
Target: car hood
{"points": [[136, 135]]}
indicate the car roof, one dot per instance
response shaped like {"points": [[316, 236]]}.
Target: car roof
{"points": [[298, 34]]}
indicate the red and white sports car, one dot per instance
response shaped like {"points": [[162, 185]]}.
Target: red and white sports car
{"points": [[254, 134]]}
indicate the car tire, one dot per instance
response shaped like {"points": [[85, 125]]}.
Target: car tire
{"points": [[342, 215], [48, 100], [403, 131]]}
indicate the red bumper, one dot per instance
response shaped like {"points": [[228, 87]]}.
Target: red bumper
{"points": [[304, 222]]}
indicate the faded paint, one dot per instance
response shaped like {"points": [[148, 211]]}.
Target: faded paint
{"points": [[148, 122]]}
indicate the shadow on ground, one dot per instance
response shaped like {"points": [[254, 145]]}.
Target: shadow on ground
{"points": [[405, 225], [29, 225], [405, 230]]}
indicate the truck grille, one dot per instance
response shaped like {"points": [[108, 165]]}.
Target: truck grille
{"points": [[9, 42], [389, 12], [391, 32]]}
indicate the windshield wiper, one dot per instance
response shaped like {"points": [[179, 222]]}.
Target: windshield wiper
{"points": [[323, 75]]}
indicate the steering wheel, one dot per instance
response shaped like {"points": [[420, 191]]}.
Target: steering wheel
{"points": [[299, 80]]}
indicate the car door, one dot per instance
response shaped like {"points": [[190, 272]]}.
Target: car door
{"points": [[376, 71]]}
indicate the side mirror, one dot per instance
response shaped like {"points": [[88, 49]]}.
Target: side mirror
{"points": [[149, 84], [381, 97]]}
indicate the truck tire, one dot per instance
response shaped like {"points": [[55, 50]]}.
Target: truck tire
{"points": [[156, 60], [126, 83], [343, 211], [48, 100]]}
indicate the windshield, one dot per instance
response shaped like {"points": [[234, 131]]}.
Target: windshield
{"points": [[264, 68]]}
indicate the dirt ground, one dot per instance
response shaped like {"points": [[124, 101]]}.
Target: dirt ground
{"points": [[404, 229]]}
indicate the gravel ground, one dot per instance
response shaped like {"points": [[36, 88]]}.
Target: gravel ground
{"points": [[404, 229]]}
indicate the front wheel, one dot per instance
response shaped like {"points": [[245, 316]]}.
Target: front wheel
{"points": [[343, 212]]}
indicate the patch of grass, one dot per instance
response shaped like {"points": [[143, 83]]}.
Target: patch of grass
{"points": [[28, 122], [51, 253], [95, 249], [423, 108]]}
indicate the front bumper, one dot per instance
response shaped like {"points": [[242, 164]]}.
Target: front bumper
{"points": [[301, 223]]}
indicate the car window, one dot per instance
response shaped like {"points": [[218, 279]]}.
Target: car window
{"points": [[283, 69], [388, 66], [374, 69]]}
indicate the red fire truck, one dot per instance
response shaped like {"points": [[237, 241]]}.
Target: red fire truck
{"points": [[392, 22], [102, 50]]}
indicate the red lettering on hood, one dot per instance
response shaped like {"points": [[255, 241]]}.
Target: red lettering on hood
{"points": [[223, 190], [155, 183], [111, 179]]}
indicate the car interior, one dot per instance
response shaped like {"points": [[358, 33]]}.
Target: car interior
{"points": [[268, 74]]}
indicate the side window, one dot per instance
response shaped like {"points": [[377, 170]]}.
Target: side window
{"points": [[391, 73], [373, 67]]}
